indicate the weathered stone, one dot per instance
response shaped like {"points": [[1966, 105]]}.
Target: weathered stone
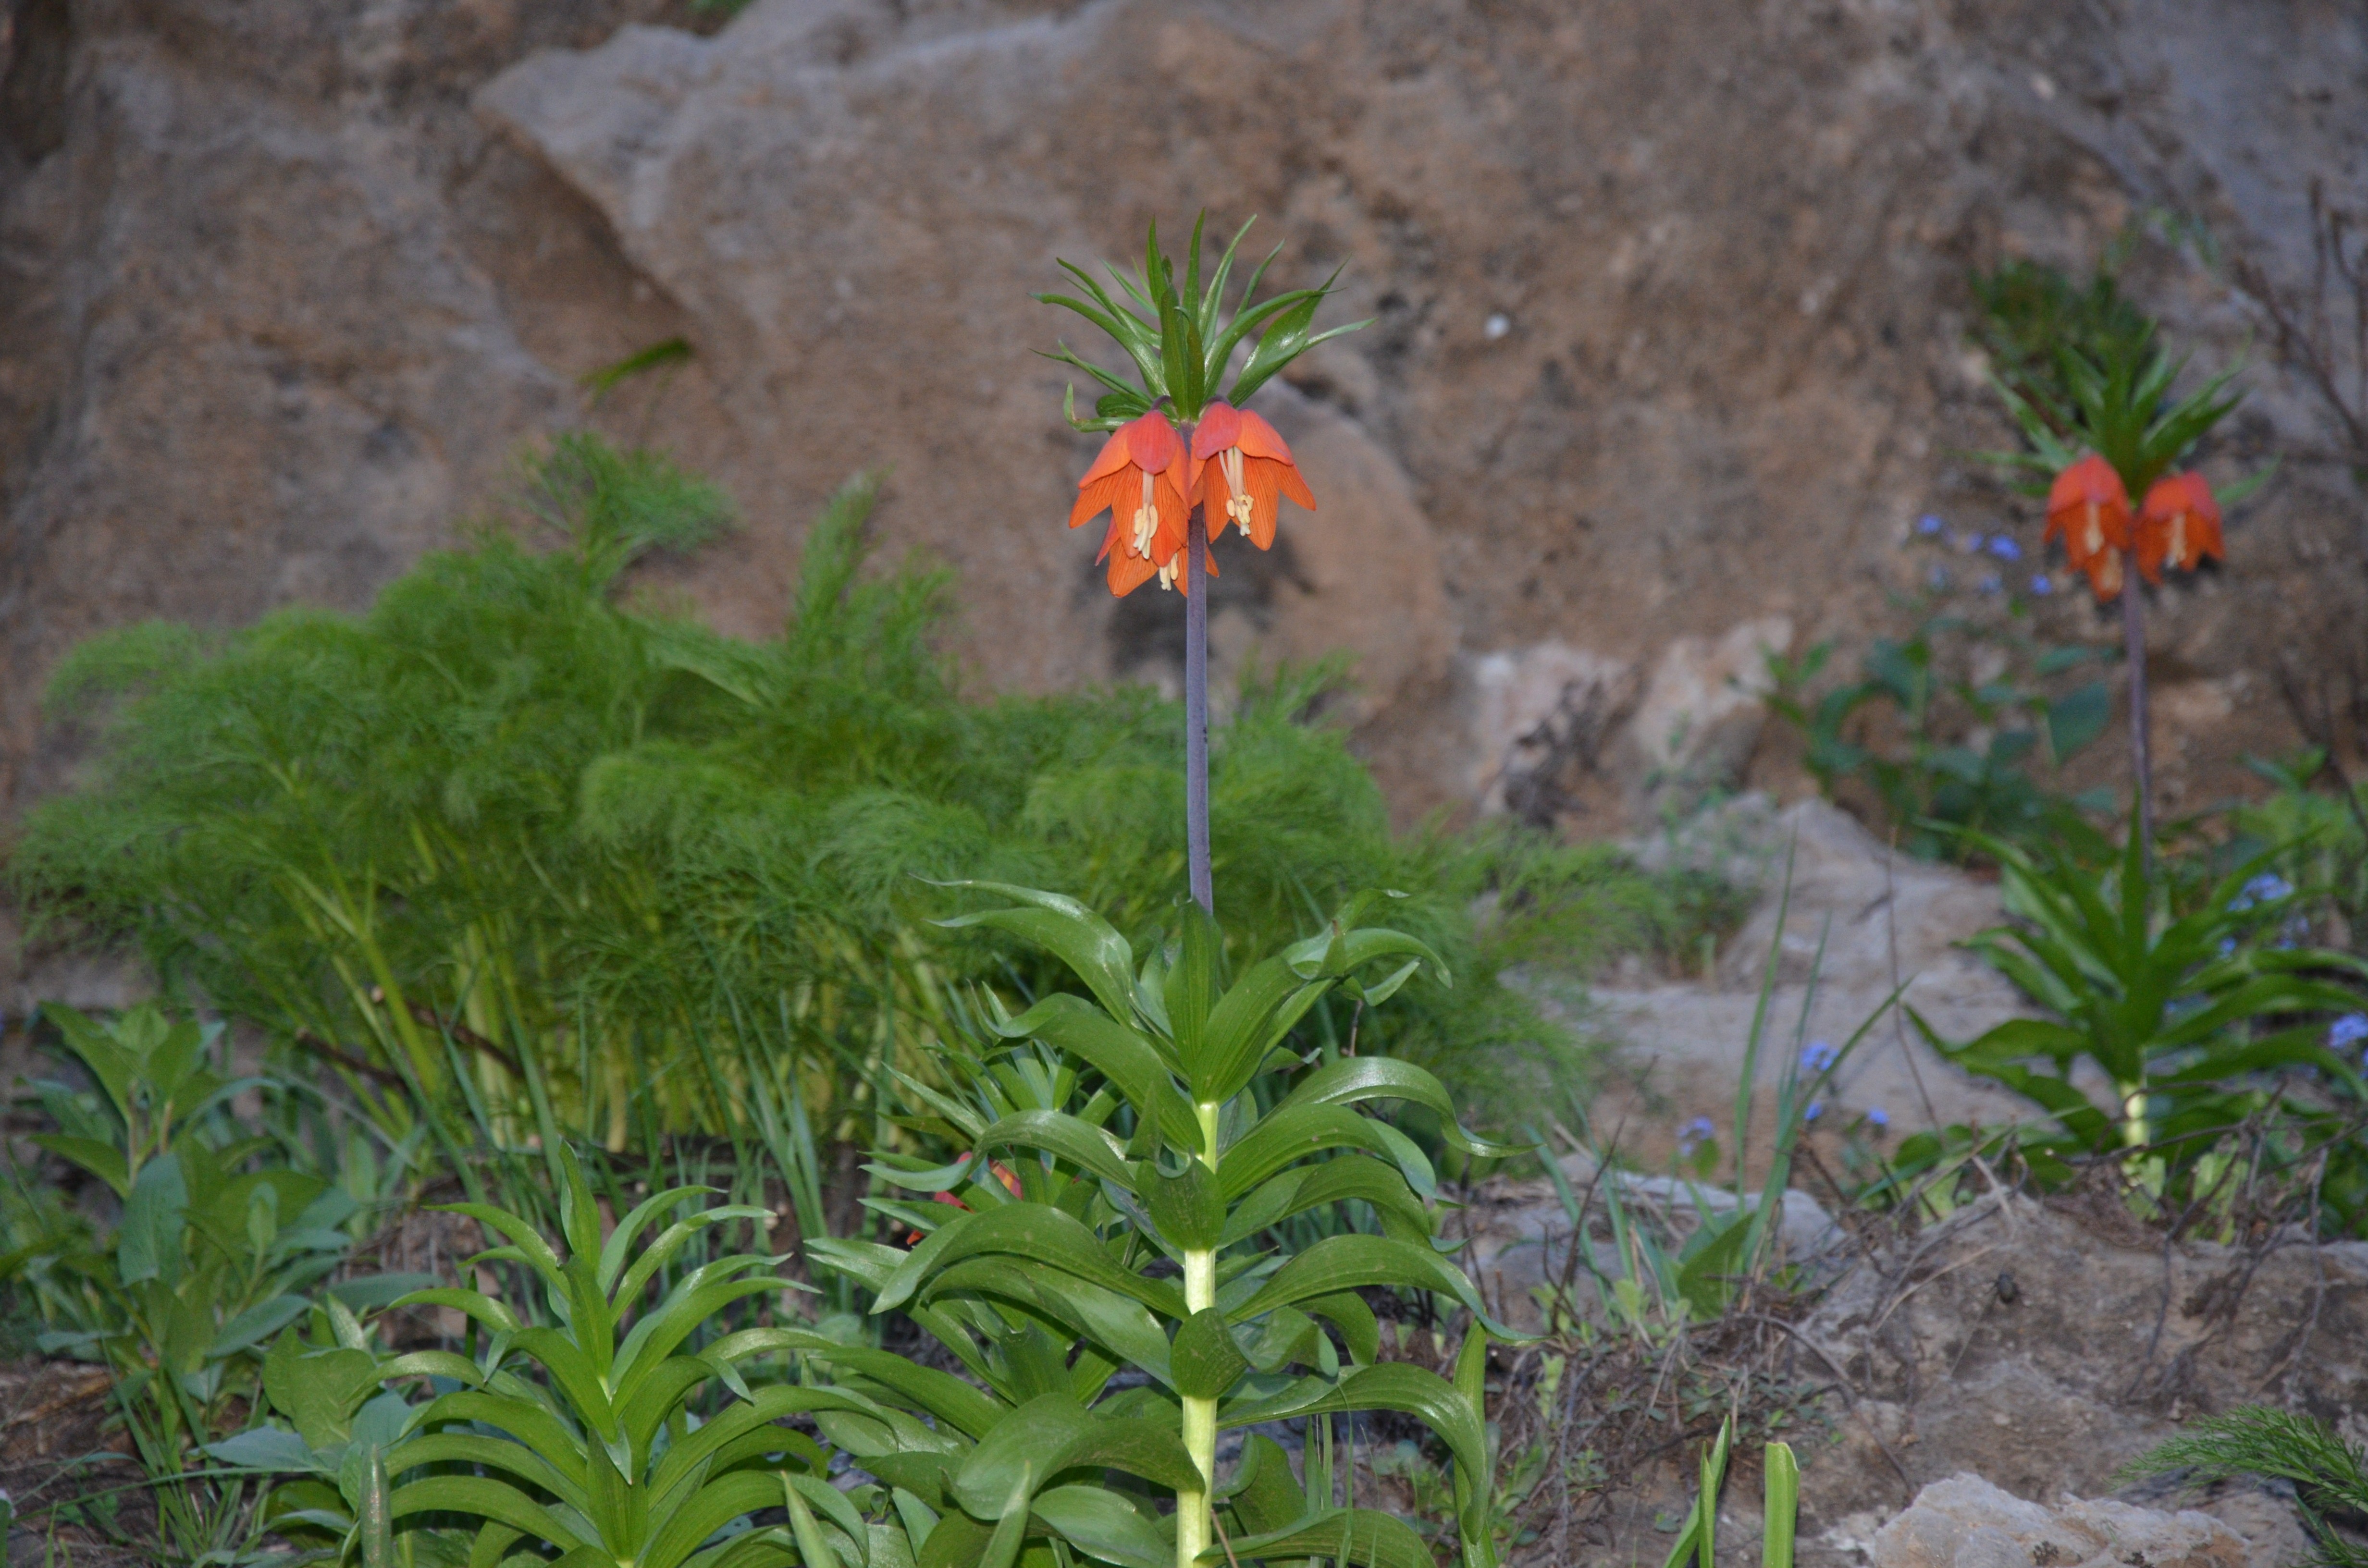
{"points": [[1539, 715], [1966, 1522], [1666, 341], [1700, 717]]}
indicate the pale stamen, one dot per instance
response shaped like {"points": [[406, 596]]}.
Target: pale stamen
{"points": [[2096, 534], [2177, 554], [1147, 521], [1238, 507]]}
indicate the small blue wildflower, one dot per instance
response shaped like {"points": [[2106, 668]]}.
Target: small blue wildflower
{"points": [[2266, 887], [1692, 1135], [2348, 1030], [1992, 583], [1816, 1056], [2041, 586], [2004, 548], [1817, 1109], [1928, 525], [2228, 947], [1878, 1118]]}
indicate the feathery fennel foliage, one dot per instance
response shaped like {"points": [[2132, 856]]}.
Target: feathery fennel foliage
{"points": [[509, 851], [2328, 1474]]}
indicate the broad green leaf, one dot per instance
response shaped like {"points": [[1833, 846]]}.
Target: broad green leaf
{"points": [[1362, 1536], [1130, 1060], [1062, 1136], [1188, 1208], [1284, 1137], [1070, 932], [1035, 1233], [269, 1449], [1048, 1436], [1107, 1525], [480, 1498], [1204, 1362], [1356, 1262], [1392, 1385], [255, 1324], [1781, 1508], [102, 1160], [1238, 1032], [1357, 1078], [148, 1237]]}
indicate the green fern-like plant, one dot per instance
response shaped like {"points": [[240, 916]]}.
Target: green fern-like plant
{"points": [[2329, 1474]]}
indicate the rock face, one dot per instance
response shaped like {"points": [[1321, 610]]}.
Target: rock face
{"points": [[1668, 303], [1966, 1522], [1857, 922]]}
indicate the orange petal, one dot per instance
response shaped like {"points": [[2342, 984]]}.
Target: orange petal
{"points": [[1259, 439], [1129, 572], [1111, 459], [1097, 496], [1220, 426], [1153, 442], [1260, 478]]}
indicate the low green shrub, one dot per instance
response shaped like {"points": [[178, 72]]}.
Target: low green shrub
{"points": [[516, 853]]}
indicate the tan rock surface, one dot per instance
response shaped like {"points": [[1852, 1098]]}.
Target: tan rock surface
{"points": [[1669, 302]]}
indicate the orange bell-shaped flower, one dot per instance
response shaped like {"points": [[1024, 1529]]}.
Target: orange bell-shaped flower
{"points": [[2179, 525], [2089, 505], [1253, 467], [1143, 479]]}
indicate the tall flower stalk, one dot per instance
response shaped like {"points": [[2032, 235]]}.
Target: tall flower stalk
{"points": [[1183, 461], [2106, 427]]}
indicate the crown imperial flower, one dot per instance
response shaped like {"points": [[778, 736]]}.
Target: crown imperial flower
{"points": [[2178, 525], [2088, 507], [1142, 478], [1253, 466]]}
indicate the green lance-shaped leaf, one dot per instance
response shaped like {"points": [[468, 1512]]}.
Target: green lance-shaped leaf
{"points": [[1204, 1361], [1240, 1029], [1350, 1178], [1070, 932], [1285, 1137], [1033, 1231], [1052, 1434], [1188, 1208], [1106, 1526], [1782, 1507], [1362, 1536], [481, 1498], [1061, 1135], [1473, 1486], [1358, 1078], [1392, 1385], [1358, 1262], [1130, 1060], [1106, 1318]]}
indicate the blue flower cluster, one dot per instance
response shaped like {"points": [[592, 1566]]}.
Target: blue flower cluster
{"points": [[2266, 887], [1816, 1056], [1692, 1135]]}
